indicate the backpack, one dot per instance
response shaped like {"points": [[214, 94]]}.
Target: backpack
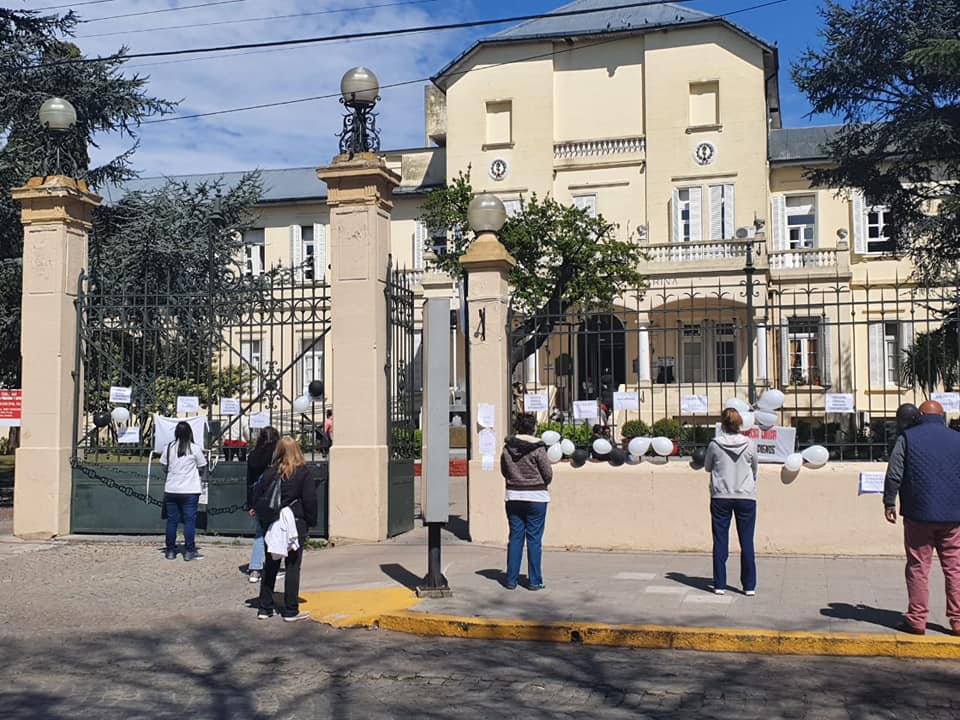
{"points": [[266, 501]]}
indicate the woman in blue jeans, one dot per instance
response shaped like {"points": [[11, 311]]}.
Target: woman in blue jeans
{"points": [[257, 462], [183, 459], [527, 473], [732, 463]]}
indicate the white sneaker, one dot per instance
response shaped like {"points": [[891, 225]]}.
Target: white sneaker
{"points": [[254, 576], [302, 615], [750, 593], [717, 591]]}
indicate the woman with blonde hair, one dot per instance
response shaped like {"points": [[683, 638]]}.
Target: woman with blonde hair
{"points": [[298, 492]]}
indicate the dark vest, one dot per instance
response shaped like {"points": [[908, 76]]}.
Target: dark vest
{"points": [[930, 491]]}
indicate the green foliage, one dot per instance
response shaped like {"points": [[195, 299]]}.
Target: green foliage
{"points": [[565, 258], [889, 69], [933, 360], [668, 427], [581, 435], [418, 442], [634, 428], [107, 101]]}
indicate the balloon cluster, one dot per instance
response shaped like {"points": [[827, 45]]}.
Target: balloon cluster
{"points": [[602, 449]]}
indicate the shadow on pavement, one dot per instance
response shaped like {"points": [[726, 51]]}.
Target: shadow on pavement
{"points": [[697, 583], [497, 575], [875, 616], [398, 573]]}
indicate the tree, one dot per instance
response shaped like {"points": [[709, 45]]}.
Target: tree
{"points": [[889, 69], [106, 101], [566, 259], [933, 359]]}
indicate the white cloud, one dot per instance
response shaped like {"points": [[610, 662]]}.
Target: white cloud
{"points": [[294, 135]]}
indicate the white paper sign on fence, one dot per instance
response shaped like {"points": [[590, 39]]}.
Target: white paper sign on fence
{"points": [[871, 482], [694, 405], [120, 395], [188, 404], [838, 403], [486, 414], [773, 445], [204, 493], [129, 436], [259, 420], [536, 402], [949, 400], [585, 410], [488, 442], [626, 401], [229, 406]]}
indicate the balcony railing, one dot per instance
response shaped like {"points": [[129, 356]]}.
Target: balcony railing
{"points": [[598, 148], [804, 259], [713, 251]]}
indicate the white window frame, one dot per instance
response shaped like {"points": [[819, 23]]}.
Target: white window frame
{"points": [[692, 334], [586, 202], [724, 333], [799, 343], [254, 252], [311, 363], [689, 229], [513, 207], [251, 351], [888, 339], [790, 212], [882, 211], [722, 215]]}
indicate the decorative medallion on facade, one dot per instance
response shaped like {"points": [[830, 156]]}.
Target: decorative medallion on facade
{"points": [[705, 153], [499, 169]]}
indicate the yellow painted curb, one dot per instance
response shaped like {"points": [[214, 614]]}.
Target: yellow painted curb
{"points": [[768, 642], [356, 608]]}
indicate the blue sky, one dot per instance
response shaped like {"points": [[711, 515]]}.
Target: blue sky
{"points": [[303, 134]]}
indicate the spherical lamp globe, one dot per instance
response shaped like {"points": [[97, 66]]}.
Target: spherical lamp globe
{"points": [[359, 87], [486, 213], [57, 114]]}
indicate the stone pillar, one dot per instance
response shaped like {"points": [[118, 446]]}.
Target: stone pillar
{"points": [[487, 264], [643, 351], [360, 200], [56, 220], [761, 370]]}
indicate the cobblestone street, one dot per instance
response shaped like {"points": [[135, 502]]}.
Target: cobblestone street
{"points": [[114, 631]]}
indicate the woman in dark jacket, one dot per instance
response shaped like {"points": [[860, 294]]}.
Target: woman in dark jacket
{"points": [[298, 491], [527, 473], [257, 463]]}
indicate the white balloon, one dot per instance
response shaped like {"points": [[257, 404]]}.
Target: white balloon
{"points": [[737, 404], [662, 446], [816, 455], [302, 404], [749, 420], [554, 453], [567, 446], [638, 446], [602, 446], [550, 437], [771, 400], [793, 462], [765, 419], [120, 415]]}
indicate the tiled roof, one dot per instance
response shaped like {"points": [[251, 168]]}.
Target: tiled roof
{"points": [[794, 144]]}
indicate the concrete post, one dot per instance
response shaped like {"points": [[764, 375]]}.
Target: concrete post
{"points": [[487, 264], [56, 220], [360, 200]]}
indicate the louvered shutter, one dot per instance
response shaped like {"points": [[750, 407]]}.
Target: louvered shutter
{"points": [[875, 334], [906, 343], [778, 222], [696, 215], [785, 353], [859, 212], [826, 351], [716, 212], [419, 243], [296, 252], [319, 252], [675, 215], [586, 202], [729, 216]]}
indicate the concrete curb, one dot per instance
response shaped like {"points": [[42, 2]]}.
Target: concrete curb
{"points": [[765, 642]]}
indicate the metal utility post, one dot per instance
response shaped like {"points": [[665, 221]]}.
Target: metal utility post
{"points": [[749, 269], [436, 434]]}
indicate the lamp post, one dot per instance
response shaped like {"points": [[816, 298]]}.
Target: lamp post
{"points": [[359, 93], [58, 117]]}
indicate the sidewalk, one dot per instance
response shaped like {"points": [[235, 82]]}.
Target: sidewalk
{"points": [[816, 601]]}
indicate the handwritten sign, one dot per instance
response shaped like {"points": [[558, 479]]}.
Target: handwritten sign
{"points": [[229, 406], [536, 402], [259, 420], [626, 401], [188, 404], [838, 403], [871, 482], [694, 405], [773, 445], [120, 395], [129, 436], [949, 400], [486, 414], [585, 410]]}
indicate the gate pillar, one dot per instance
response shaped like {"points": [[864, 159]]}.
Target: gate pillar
{"points": [[359, 196], [56, 219], [487, 264]]}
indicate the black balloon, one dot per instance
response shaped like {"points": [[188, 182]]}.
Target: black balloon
{"points": [[907, 416], [315, 388], [101, 419], [617, 457], [579, 457], [699, 456]]}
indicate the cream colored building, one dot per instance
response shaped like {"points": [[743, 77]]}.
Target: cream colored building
{"points": [[667, 121]]}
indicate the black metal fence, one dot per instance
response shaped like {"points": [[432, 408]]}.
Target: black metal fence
{"points": [[846, 355]]}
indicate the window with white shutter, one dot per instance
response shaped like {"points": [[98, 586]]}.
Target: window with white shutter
{"points": [[419, 244], [687, 215], [309, 252], [586, 202], [721, 212], [778, 222], [296, 252], [801, 222], [319, 252], [875, 332], [253, 252], [512, 207], [858, 215]]}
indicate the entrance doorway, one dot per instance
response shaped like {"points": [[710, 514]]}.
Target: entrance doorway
{"points": [[601, 356]]}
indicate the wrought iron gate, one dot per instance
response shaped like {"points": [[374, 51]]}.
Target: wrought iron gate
{"points": [[401, 417], [257, 339]]}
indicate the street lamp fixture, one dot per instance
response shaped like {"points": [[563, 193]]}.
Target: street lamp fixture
{"points": [[359, 91], [486, 213], [58, 117]]}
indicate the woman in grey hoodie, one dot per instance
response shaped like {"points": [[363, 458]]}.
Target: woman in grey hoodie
{"points": [[527, 473], [732, 463]]}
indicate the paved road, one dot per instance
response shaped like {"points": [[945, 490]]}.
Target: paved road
{"points": [[114, 631]]}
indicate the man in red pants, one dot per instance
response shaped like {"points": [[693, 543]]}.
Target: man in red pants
{"points": [[924, 470]]}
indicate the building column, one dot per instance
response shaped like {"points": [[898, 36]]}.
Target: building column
{"points": [[56, 219], [360, 200], [643, 351], [487, 264], [762, 372]]}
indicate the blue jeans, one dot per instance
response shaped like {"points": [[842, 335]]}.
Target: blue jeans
{"points": [[182, 506], [745, 512], [526, 520], [259, 546]]}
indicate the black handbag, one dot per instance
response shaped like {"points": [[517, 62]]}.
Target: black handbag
{"points": [[266, 504]]}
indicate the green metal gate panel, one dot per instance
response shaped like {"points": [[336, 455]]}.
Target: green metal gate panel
{"points": [[400, 500], [113, 499]]}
